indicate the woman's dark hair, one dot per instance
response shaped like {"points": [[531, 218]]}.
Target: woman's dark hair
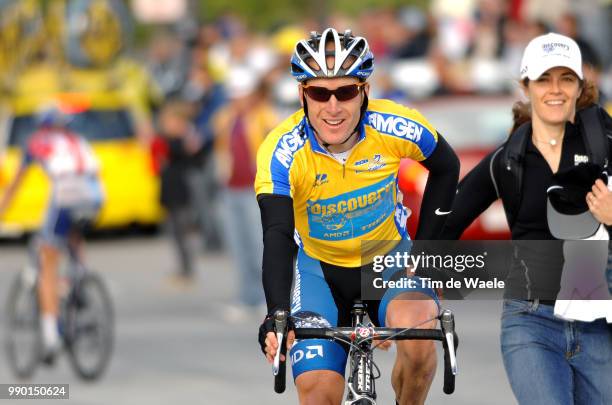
{"points": [[521, 111]]}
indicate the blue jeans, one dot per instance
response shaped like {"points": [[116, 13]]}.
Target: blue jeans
{"points": [[242, 233], [551, 361]]}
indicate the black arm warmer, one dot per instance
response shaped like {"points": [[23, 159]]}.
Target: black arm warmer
{"points": [[279, 249], [443, 166], [474, 195]]}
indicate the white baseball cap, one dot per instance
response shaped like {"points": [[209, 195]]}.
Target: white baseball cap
{"points": [[549, 51]]}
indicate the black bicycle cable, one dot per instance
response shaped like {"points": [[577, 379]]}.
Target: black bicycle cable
{"points": [[341, 338], [402, 331], [370, 355]]}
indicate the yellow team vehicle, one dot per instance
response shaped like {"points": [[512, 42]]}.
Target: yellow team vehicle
{"points": [[130, 183], [108, 96]]}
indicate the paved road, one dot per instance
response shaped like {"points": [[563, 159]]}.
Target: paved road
{"points": [[174, 346]]}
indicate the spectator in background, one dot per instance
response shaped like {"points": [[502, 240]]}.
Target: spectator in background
{"points": [[418, 34], [168, 62], [485, 53], [208, 35], [517, 35], [374, 23], [488, 38], [280, 81], [232, 49], [386, 87], [454, 28], [546, 11], [182, 145], [240, 128], [592, 67], [208, 96], [568, 26]]}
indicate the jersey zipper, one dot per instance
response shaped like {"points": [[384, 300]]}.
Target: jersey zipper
{"points": [[326, 153]]}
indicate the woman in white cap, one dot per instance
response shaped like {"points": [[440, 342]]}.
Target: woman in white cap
{"points": [[548, 360]]}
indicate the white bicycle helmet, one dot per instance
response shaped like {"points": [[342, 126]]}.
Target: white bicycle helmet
{"points": [[352, 56]]}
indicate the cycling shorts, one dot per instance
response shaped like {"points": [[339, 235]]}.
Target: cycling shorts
{"points": [[60, 219], [323, 296]]}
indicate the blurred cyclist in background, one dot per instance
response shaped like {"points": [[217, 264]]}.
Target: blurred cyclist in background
{"points": [[76, 196]]}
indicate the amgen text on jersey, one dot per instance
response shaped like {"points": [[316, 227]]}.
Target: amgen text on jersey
{"points": [[288, 145], [395, 125]]}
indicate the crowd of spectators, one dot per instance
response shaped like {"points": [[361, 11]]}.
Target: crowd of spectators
{"points": [[223, 69], [453, 47]]}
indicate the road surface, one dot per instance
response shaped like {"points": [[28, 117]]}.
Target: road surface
{"points": [[175, 345]]}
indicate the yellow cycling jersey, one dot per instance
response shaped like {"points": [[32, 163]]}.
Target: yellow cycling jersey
{"points": [[338, 206]]}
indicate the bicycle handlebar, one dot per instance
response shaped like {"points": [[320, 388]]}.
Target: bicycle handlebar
{"points": [[450, 343], [279, 368], [448, 339], [446, 334], [380, 333]]}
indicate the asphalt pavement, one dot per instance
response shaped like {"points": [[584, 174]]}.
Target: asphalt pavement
{"points": [[174, 344]]}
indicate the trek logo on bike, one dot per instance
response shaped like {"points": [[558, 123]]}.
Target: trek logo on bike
{"points": [[311, 352], [363, 332]]}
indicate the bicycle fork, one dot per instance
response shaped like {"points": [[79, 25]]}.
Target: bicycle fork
{"points": [[361, 389]]}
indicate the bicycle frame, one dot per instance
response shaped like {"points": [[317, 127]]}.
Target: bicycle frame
{"points": [[361, 380], [81, 284], [72, 268], [70, 273]]}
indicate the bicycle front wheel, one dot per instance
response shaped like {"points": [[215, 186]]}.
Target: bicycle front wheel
{"points": [[22, 337], [89, 327]]}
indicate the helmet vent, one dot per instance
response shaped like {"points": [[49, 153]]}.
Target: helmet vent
{"points": [[359, 47], [367, 64], [312, 64], [296, 69]]}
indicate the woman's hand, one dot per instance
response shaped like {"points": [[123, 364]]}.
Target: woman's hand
{"points": [[599, 200]]}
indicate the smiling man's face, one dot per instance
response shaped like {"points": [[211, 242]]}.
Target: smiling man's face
{"points": [[333, 120]]}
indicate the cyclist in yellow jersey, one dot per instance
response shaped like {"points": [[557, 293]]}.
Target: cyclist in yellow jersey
{"points": [[327, 181]]}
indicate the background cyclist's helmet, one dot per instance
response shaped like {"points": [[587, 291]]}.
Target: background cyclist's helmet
{"points": [[51, 116], [351, 56]]}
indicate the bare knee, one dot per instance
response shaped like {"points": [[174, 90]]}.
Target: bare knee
{"points": [[412, 310], [416, 356], [321, 387]]}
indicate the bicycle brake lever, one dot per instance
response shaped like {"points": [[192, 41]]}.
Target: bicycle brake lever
{"points": [[447, 322], [280, 325]]}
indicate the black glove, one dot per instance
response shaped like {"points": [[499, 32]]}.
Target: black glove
{"points": [[268, 326]]}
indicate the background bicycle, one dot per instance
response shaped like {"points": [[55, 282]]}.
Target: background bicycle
{"points": [[86, 322]]}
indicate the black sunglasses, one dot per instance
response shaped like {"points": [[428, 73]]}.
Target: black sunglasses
{"points": [[343, 93]]}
